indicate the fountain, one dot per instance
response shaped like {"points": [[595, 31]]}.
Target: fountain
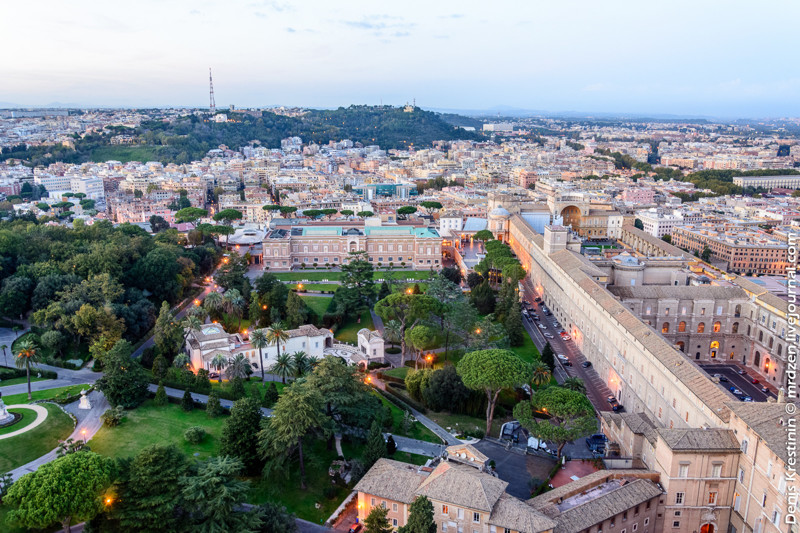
{"points": [[6, 418]]}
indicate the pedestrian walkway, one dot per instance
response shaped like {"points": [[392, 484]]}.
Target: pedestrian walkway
{"points": [[419, 447]]}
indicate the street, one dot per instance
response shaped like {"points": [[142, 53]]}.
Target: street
{"points": [[730, 371]]}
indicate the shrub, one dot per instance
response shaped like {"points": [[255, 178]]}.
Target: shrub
{"points": [[270, 395], [213, 407], [187, 404], [161, 396], [194, 435], [113, 416], [237, 388], [202, 383]]}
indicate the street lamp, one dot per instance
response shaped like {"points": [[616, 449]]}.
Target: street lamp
{"points": [[478, 331], [300, 286]]}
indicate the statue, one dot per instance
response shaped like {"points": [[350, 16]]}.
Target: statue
{"points": [[84, 403], [5, 416]]}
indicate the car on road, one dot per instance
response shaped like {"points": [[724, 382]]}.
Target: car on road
{"points": [[548, 335], [535, 316], [741, 372], [596, 442], [746, 398], [355, 528], [563, 358], [565, 336], [614, 403], [754, 381], [586, 364], [537, 299], [765, 390], [735, 391], [542, 326], [720, 377]]}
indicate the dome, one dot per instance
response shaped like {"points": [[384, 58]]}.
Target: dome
{"points": [[499, 212]]}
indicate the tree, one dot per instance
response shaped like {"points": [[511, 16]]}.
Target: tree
{"points": [[376, 521], [445, 390], [548, 357], [357, 279], [431, 206], [259, 341], [66, 490], [302, 364], [452, 274], [238, 367], [347, 212], [219, 362], [540, 373], [158, 224], [365, 214], [234, 303], [420, 517], [570, 413], [574, 384], [483, 235], [421, 338], [408, 310], [492, 371], [406, 210], [271, 395], [187, 403], [213, 302], [149, 490], [384, 291], [168, 333], [213, 407], [391, 331], [297, 414], [705, 255], [239, 434], [296, 311], [276, 519], [474, 279], [277, 334], [376, 446], [27, 354], [638, 224], [214, 497], [161, 395], [283, 367], [483, 298], [667, 239], [125, 382], [190, 215], [513, 324], [391, 445]]}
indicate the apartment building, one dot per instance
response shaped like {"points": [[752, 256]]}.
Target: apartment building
{"points": [[638, 195], [768, 182], [658, 223], [408, 246], [743, 250]]}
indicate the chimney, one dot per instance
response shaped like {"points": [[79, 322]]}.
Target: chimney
{"points": [[781, 395]]}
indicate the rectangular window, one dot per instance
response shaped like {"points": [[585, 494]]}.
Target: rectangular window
{"points": [[444, 509], [383, 504], [683, 471], [712, 498], [676, 523], [460, 514], [476, 517], [716, 470], [394, 522], [679, 498], [647, 521], [394, 507], [372, 502]]}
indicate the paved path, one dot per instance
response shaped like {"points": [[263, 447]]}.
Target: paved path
{"points": [[419, 447], [376, 321], [88, 425], [65, 378], [41, 416]]}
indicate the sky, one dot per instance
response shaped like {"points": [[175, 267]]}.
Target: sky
{"points": [[725, 58]]}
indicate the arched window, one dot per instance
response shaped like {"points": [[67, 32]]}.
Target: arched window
{"points": [[665, 327], [760, 336], [757, 360], [766, 364], [735, 327], [701, 327], [682, 326], [780, 349], [771, 341], [748, 331], [717, 327], [738, 311], [682, 346]]}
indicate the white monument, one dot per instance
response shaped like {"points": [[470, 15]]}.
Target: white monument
{"points": [[84, 403], [5, 416]]}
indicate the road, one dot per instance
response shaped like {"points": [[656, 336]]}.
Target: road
{"points": [[596, 389], [742, 383]]}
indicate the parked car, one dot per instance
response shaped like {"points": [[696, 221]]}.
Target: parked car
{"points": [[537, 299], [754, 381], [765, 390], [720, 377], [355, 528], [746, 398], [542, 326], [565, 336], [741, 372], [596, 442], [548, 335], [563, 358], [536, 317], [586, 364], [735, 391], [614, 403]]}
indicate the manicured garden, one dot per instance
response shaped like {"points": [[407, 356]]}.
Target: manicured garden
{"points": [[45, 394], [348, 332], [319, 287], [528, 351], [24, 448], [336, 276], [150, 424], [20, 380], [416, 431], [317, 304], [28, 416]]}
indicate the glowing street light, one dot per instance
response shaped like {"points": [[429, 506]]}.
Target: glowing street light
{"points": [[197, 302], [478, 331]]}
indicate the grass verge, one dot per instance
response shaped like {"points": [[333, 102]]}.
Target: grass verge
{"points": [[24, 448]]}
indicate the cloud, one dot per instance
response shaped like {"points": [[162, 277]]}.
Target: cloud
{"points": [[378, 22], [291, 30], [272, 5], [194, 12]]}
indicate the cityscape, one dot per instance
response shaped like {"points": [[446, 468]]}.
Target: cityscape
{"points": [[422, 314]]}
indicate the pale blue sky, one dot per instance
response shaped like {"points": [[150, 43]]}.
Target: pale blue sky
{"points": [[723, 58]]}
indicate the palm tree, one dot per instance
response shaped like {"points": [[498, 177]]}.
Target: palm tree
{"points": [[181, 361], [283, 367], [238, 367], [219, 362], [5, 358], [575, 384], [302, 364], [234, 303], [27, 354], [190, 323], [541, 373], [213, 302], [277, 334], [259, 340], [392, 331]]}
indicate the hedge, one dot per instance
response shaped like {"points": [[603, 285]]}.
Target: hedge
{"points": [[390, 379], [7, 372], [404, 401]]}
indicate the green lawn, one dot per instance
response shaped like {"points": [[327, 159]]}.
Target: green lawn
{"points": [[318, 304], [348, 332], [417, 431], [255, 381], [18, 381], [43, 394], [399, 373], [466, 422], [527, 352], [22, 449], [326, 287], [149, 424], [28, 416], [336, 276]]}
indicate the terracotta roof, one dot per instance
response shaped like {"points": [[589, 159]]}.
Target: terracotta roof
{"points": [[515, 515], [392, 480], [699, 440], [768, 420], [683, 292], [464, 486]]}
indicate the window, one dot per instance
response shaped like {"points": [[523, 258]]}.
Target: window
{"points": [[665, 327], [635, 527], [737, 499], [476, 517], [372, 502], [383, 504], [716, 470], [717, 327], [647, 521], [764, 499], [394, 507], [712, 497], [701, 327], [460, 514], [776, 517], [394, 522], [676, 523], [744, 446], [741, 475], [679, 498], [682, 326], [677, 513], [444, 527]]}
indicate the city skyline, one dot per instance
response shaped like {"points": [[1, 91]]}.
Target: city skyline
{"points": [[626, 58]]}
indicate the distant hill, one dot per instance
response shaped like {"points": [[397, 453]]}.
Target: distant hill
{"points": [[190, 137]]}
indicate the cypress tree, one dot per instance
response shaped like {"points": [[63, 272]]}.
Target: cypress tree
{"points": [[420, 517], [161, 395], [187, 404], [213, 407], [548, 357], [271, 395], [376, 446]]}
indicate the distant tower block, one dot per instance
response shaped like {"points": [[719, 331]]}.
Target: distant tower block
{"points": [[212, 106]]}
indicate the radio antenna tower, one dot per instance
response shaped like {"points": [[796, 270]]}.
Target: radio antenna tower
{"points": [[211, 105]]}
